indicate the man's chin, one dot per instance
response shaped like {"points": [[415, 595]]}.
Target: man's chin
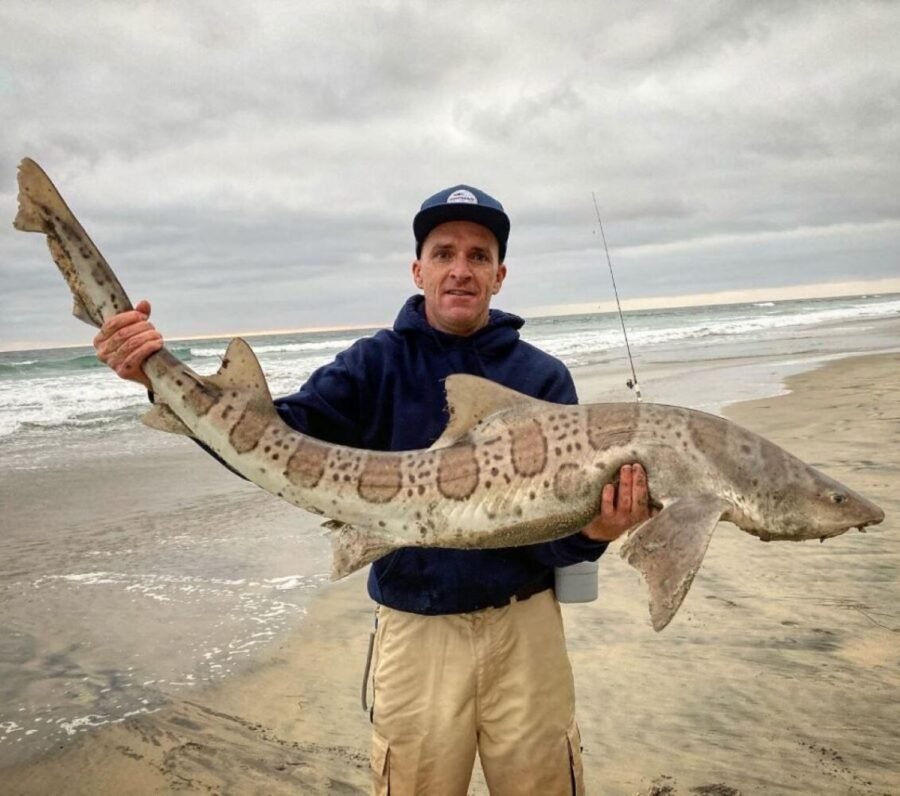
{"points": [[461, 319]]}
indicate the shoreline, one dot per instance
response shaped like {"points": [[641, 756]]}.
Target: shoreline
{"points": [[715, 384], [776, 665]]}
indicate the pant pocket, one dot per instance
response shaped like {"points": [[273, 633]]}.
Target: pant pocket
{"points": [[576, 767], [381, 765]]}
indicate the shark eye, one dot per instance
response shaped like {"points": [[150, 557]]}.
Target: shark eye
{"points": [[837, 497]]}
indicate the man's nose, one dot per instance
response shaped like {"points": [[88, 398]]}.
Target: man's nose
{"points": [[460, 267]]}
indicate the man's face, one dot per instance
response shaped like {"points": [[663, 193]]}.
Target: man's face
{"points": [[459, 271]]}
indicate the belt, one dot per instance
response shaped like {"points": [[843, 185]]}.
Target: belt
{"points": [[529, 590]]}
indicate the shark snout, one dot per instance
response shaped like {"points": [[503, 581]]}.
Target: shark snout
{"points": [[839, 512], [876, 516], [838, 509]]}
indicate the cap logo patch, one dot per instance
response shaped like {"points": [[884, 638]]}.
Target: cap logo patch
{"points": [[462, 196]]}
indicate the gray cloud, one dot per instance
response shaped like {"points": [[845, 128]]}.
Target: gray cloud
{"points": [[258, 167]]}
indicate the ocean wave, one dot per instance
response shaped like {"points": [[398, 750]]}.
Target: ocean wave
{"points": [[58, 361], [281, 348], [576, 347], [104, 421], [183, 352], [74, 417], [70, 391], [35, 367]]}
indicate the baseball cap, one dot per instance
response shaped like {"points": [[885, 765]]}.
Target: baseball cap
{"points": [[461, 203]]}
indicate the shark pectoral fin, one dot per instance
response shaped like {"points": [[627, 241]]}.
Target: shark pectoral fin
{"points": [[240, 370], [669, 548], [352, 548], [162, 418], [471, 399]]}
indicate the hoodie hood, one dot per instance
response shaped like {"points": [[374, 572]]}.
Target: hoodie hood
{"points": [[500, 334]]}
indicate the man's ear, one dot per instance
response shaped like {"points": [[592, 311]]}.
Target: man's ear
{"points": [[417, 274], [498, 281]]}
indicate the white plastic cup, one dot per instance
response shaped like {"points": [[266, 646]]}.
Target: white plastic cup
{"points": [[577, 583]]}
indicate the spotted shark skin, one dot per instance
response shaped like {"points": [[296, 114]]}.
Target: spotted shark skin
{"points": [[509, 469]]}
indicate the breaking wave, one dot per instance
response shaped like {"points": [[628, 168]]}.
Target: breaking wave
{"points": [[70, 390]]}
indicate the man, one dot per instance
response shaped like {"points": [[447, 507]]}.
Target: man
{"points": [[470, 653]]}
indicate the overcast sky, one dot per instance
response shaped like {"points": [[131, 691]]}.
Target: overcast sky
{"points": [[251, 166]]}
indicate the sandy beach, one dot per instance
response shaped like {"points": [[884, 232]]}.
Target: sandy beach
{"points": [[781, 673]]}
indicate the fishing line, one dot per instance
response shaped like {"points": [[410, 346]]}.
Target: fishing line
{"points": [[633, 381]]}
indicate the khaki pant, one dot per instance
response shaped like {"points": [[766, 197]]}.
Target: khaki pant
{"points": [[497, 681]]}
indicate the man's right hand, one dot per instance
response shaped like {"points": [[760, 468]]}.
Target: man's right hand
{"points": [[126, 340]]}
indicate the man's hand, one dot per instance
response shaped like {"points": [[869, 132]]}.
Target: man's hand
{"points": [[621, 508], [126, 340]]}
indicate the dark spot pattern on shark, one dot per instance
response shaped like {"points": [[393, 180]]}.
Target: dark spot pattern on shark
{"points": [[306, 465], [528, 448], [380, 479], [570, 482], [248, 431], [457, 471], [201, 398], [607, 425]]}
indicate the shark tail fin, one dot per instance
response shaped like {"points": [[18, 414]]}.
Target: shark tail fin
{"points": [[96, 291], [668, 549], [35, 189], [352, 548]]}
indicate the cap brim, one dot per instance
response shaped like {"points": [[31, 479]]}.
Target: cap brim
{"points": [[495, 220]]}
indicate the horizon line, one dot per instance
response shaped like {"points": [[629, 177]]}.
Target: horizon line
{"points": [[877, 287]]}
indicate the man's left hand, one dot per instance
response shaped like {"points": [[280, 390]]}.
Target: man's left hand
{"points": [[622, 507]]}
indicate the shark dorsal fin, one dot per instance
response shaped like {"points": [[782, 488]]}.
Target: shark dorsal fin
{"points": [[240, 370], [470, 399]]}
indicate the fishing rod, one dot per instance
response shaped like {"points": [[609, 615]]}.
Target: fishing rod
{"points": [[633, 381]]}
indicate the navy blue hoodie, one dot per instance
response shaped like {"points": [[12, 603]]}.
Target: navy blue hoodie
{"points": [[386, 392]]}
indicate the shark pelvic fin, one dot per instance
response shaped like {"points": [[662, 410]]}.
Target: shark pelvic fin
{"points": [[162, 418], [352, 548], [668, 549], [470, 399], [240, 370]]}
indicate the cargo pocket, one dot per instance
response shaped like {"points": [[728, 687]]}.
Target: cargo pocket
{"points": [[576, 769], [381, 765]]}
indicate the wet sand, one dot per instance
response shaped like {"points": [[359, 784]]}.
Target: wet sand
{"points": [[780, 674]]}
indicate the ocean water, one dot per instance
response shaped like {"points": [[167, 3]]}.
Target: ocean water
{"points": [[67, 391], [106, 609]]}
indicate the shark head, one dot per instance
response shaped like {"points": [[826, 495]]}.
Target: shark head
{"points": [[808, 504]]}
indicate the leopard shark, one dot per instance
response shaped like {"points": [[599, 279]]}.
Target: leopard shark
{"points": [[508, 469]]}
